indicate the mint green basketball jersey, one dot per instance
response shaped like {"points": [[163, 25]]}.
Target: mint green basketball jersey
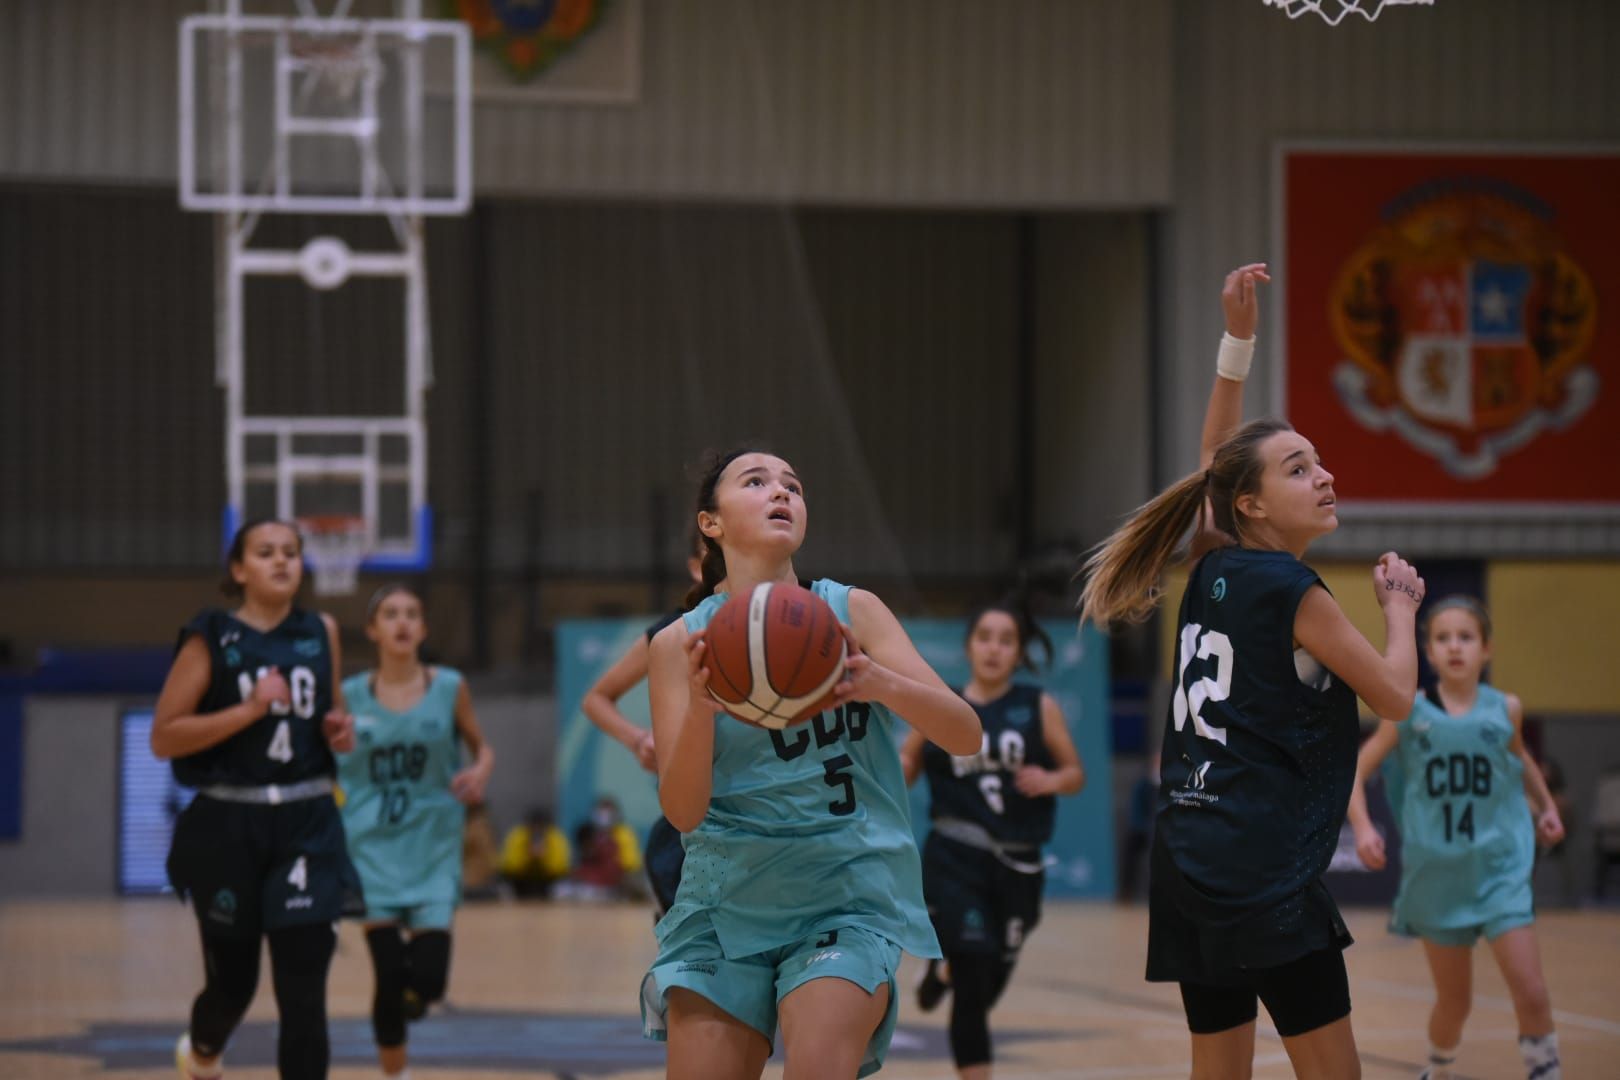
{"points": [[403, 825], [808, 829], [1467, 838]]}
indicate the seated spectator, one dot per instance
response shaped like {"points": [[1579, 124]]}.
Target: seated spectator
{"points": [[609, 857], [535, 855]]}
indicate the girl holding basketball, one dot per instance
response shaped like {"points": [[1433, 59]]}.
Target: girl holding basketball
{"points": [[250, 714], [404, 812], [1458, 790], [1260, 746], [991, 812], [802, 882]]}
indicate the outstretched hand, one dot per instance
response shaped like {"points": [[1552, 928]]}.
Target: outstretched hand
{"points": [[1240, 302]]}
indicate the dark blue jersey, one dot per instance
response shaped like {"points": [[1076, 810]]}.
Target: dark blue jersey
{"points": [[1260, 745], [980, 788], [284, 745]]}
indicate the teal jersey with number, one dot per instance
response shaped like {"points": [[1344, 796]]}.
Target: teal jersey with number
{"points": [[1467, 837], [403, 825], [808, 829]]}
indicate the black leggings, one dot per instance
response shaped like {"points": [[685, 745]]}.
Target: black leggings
{"points": [[422, 967], [299, 959], [977, 980]]}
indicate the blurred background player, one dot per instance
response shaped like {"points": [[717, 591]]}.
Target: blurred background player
{"points": [[991, 812], [664, 853], [250, 713], [535, 854], [792, 905], [406, 791], [1260, 747], [1458, 786]]}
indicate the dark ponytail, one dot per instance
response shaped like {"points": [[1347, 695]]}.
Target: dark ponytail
{"points": [[1016, 606], [713, 560]]}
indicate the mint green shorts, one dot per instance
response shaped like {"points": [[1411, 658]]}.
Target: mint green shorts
{"points": [[1467, 935], [413, 916], [751, 988]]}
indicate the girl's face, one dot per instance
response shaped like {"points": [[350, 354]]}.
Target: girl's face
{"points": [[993, 648], [1456, 648], [397, 626], [1295, 499], [272, 564], [759, 507]]}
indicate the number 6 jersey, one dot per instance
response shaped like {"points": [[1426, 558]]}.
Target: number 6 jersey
{"points": [[983, 788], [284, 745], [1260, 746]]}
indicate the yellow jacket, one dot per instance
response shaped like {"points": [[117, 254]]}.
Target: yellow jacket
{"points": [[518, 861]]}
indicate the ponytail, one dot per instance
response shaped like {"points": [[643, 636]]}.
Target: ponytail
{"points": [[1123, 572]]}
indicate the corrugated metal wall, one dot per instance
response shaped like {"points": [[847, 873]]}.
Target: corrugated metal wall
{"points": [[1479, 70], [933, 102]]}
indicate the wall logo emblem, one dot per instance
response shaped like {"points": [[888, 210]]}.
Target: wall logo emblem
{"points": [[1464, 325]]}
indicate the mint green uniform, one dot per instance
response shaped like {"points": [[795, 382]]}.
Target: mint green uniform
{"points": [[403, 825], [803, 867], [1467, 838]]}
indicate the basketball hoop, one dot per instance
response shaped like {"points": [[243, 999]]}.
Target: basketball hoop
{"points": [[339, 61], [1334, 11], [336, 545]]}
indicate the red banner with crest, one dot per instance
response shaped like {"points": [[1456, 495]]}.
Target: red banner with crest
{"points": [[1449, 324]]}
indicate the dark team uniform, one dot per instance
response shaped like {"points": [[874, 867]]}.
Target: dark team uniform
{"points": [[261, 847], [665, 854], [1258, 761], [982, 869]]}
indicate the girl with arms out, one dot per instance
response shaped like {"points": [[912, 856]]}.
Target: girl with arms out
{"points": [[250, 714], [802, 882], [405, 797], [1468, 840], [992, 811], [1259, 749]]}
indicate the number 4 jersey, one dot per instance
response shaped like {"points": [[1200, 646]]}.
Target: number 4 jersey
{"points": [[1260, 748], [403, 824], [284, 745], [1467, 838]]}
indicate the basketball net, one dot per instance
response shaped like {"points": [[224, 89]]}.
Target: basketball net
{"points": [[337, 61], [1334, 11], [336, 545]]}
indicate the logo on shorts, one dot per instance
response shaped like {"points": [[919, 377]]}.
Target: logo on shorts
{"points": [[825, 954], [223, 909], [708, 967]]}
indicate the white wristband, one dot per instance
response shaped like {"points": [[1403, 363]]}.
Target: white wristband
{"points": [[1233, 361]]}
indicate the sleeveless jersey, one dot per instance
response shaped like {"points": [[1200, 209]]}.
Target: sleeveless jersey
{"points": [[808, 829], [404, 826], [981, 788], [284, 745], [1467, 838], [1260, 745]]}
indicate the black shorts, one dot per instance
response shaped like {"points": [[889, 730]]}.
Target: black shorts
{"points": [[250, 868], [978, 903], [1184, 945], [664, 858], [1301, 996]]}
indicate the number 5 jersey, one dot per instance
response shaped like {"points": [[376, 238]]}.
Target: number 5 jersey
{"points": [[403, 824], [1467, 837]]}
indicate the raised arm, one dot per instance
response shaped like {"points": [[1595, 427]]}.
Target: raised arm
{"points": [[1369, 844], [884, 666], [1386, 681], [601, 703]]}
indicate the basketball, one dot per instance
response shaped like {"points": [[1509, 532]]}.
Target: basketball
{"points": [[774, 654]]}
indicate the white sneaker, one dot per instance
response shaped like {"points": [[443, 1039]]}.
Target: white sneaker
{"points": [[183, 1062]]}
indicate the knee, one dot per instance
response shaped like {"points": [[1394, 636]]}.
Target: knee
{"points": [[1531, 997], [430, 964], [1454, 1005]]}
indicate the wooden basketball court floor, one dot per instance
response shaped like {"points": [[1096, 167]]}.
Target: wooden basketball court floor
{"points": [[102, 988]]}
